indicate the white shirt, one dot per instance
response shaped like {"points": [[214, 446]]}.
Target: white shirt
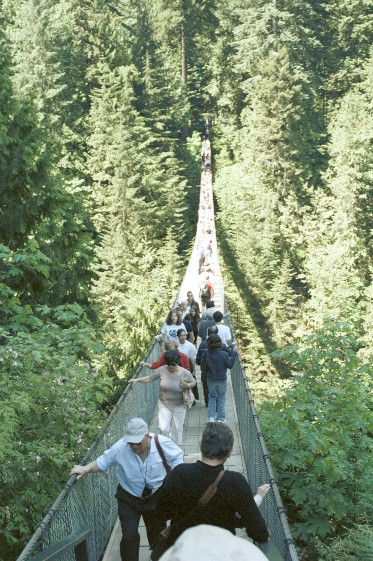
{"points": [[186, 311], [224, 333], [208, 313], [132, 473], [170, 331], [202, 279], [188, 349]]}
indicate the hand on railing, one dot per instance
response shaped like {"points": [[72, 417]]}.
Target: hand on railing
{"points": [[263, 490], [82, 470], [142, 380], [147, 364]]}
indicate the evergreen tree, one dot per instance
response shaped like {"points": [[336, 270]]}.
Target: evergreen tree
{"points": [[349, 170], [281, 117], [282, 309], [23, 162], [350, 25], [338, 234], [134, 205]]}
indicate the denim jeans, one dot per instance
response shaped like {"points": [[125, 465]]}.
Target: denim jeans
{"points": [[216, 405], [205, 386]]}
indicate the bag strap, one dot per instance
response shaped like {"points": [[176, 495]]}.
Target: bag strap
{"points": [[205, 498], [161, 453], [210, 491]]}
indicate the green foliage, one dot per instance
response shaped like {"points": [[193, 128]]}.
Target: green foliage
{"points": [[52, 384], [137, 201], [337, 233], [321, 448], [355, 543], [249, 226], [98, 201], [23, 161], [366, 352], [350, 32]]}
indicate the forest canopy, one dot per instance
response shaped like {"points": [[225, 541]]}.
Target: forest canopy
{"points": [[101, 112]]}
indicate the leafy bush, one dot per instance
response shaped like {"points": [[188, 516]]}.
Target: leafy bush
{"points": [[322, 447], [51, 385], [356, 543]]}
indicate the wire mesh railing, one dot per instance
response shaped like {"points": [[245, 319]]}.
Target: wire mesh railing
{"points": [[257, 462], [90, 504]]}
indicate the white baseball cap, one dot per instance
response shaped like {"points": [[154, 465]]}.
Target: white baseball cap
{"points": [[135, 431]]}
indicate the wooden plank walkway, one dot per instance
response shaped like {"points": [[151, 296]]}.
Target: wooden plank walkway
{"points": [[195, 422], [196, 417]]}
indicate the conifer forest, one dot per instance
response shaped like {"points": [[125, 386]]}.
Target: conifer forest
{"points": [[102, 107]]}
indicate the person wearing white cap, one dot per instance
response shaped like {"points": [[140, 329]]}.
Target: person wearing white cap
{"points": [[211, 543], [185, 308], [140, 473]]}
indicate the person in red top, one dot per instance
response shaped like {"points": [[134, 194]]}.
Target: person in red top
{"points": [[169, 346], [210, 287]]}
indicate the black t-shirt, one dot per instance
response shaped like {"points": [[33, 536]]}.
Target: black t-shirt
{"points": [[186, 484]]}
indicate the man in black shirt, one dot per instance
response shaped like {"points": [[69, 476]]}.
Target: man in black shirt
{"points": [[191, 301], [187, 483]]}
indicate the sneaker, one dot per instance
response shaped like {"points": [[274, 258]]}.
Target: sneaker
{"points": [[222, 421], [211, 420]]}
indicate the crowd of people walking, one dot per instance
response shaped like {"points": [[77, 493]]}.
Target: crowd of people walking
{"points": [[154, 483], [153, 480]]}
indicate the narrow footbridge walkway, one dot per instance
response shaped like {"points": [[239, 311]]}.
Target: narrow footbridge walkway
{"points": [[82, 523], [195, 422]]}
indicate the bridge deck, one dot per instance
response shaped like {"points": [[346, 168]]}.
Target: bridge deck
{"points": [[76, 504], [196, 417], [195, 422]]}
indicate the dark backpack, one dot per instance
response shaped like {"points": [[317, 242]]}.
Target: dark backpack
{"points": [[205, 292]]}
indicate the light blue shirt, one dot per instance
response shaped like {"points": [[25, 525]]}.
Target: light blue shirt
{"points": [[132, 473]]}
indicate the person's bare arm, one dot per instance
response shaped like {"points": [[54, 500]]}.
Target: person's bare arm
{"points": [[193, 363], [143, 380], [147, 364], [82, 470], [187, 385]]}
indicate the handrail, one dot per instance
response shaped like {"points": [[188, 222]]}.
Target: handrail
{"points": [[90, 502], [78, 541], [258, 450]]}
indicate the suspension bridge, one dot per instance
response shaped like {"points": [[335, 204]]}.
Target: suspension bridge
{"points": [[82, 524]]}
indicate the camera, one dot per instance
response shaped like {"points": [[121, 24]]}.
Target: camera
{"points": [[147, 491]]}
